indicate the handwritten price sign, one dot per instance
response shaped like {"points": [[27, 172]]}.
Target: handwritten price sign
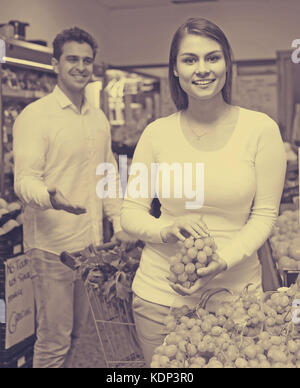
{"points": [[19, 301]]}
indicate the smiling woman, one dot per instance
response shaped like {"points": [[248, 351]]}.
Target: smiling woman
{"points": [[244, 167]]}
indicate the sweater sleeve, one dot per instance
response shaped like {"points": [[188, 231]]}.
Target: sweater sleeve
{"points": [[270, 169], [135, 214]]}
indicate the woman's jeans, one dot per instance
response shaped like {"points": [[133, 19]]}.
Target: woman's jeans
{"points": [[61, 308], [150, 325]]}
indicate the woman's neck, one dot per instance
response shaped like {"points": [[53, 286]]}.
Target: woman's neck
{"points": [[207, 111]]}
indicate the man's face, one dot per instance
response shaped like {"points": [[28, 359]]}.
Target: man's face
{"points": [[75, 66]]}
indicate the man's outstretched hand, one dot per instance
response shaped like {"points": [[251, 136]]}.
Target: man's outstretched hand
{"points": [[59, 202]]}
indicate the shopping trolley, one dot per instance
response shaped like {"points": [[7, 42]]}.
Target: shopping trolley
{"points": [[101, 268]]}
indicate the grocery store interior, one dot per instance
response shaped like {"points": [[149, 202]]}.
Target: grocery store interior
{"points": [[130, 84]]}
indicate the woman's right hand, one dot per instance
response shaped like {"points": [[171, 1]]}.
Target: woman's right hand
{"points": [[183, 227]]}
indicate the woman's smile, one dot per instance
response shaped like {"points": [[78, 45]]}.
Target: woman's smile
{"points": [[203, 82]]}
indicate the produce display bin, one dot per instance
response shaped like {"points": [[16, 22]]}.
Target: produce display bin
{"points": [[9, 355], [19, 356], [12, 215], [271, 279], [113, 319], [11, 243], [22, 359], [289, 276]]}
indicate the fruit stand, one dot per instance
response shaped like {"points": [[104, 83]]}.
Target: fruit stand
{"points": [[246, 331]]}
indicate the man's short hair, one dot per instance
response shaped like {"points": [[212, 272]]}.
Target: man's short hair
{"points": [[74, 34]]}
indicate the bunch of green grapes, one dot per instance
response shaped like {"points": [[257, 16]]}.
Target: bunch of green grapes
{"points": [[192, 342], [193, 255], [279, 311], [235, 334], [196, 338], [269, 351], [255, 315]]}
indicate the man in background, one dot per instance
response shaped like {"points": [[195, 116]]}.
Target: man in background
{"points": [[59, 140]]}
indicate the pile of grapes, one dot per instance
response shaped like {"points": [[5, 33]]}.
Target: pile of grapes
{"points": [[193, 255], [285, 241], [246, 332]]}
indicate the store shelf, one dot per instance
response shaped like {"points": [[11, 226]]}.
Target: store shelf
{"points": [[27, 45], [22, 94], [25, 63]]}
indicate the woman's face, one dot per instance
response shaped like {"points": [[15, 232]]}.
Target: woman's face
{"points": [[200, 67]]}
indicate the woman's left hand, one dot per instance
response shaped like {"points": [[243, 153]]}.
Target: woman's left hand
{"points": [[216, 266], [127, 242]]}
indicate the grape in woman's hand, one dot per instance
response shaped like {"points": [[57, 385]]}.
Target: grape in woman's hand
{"points": [[193, 255]]}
